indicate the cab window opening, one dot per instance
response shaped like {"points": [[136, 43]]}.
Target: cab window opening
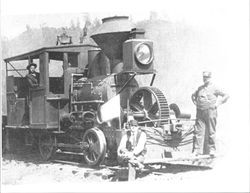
{"points": [[56, 75], [73, 59], [16, 77]]}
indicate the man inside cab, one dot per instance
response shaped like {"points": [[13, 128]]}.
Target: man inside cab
{"points": [[33, 76]]}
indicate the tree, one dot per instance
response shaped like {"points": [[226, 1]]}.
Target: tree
{"points": [[5, 47], [72, 24], [153, 15], [78, 23], [96, 24], [28, 28]]}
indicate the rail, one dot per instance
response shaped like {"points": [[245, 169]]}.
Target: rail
{"points": [[156, 120]]}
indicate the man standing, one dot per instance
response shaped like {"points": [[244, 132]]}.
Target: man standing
{"points": [[32, 76], [207, 100], [32, 81], [132, 146]]}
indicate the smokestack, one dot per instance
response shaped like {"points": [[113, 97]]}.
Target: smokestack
{"points": [[110, 37]]}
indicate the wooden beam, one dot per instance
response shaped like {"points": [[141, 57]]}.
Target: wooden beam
{"points": [[65, 61], [131, 172], [36, 53], [171, 160]]}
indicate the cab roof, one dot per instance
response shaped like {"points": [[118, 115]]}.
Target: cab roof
{"points": [[61, 48]]}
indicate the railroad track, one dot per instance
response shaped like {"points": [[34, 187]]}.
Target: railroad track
{"points": [[153, 166], [115, 173]]}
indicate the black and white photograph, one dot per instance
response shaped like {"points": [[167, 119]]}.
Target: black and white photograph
{"points": [[125, 96]]}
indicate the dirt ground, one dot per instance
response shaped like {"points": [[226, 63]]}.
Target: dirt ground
{"points": [[25, 168], [25, 172]]}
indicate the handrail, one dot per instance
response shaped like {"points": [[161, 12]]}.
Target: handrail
{"points": [[14, 69]]}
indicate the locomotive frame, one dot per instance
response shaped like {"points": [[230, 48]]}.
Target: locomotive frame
{"points": [[64, 112]]}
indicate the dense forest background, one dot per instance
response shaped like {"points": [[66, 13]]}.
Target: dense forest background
{"points": [[181, 52]]}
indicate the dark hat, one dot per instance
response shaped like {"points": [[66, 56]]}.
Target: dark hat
{"points": [[207, 74], [31, 64]]}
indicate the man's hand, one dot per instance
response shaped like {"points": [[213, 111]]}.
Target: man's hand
{"points": [[221, 101], [127, 154], [35, 85], [217, 104], [193, 97], [130, 155]]}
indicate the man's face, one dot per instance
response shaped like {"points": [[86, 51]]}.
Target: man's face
{"points": [[32, 69], [206, 79], [134, 128]]}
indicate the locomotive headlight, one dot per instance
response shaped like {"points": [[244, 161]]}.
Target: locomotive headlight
{"points": [[144, 53]]}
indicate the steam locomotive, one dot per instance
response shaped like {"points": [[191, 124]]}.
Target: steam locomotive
{"points": [[86, 93]]}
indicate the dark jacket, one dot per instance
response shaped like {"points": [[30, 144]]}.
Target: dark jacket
{"points": [[33, 79]]}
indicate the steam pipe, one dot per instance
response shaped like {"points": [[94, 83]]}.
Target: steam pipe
{"points": [[152, 81], [126, 83]]}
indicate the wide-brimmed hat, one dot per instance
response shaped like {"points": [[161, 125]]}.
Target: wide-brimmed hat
{"points": [[31, 64]]}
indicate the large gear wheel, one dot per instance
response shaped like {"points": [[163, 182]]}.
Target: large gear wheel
{"points": [[149, 104]]}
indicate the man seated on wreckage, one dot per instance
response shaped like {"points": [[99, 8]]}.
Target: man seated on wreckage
{"points": [[132, 148]]}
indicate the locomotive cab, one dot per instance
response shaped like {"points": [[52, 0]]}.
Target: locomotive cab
{"points": [[55, 65]]}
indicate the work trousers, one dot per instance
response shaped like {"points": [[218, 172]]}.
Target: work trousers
{"points": [[123, 160], [204, 131]]}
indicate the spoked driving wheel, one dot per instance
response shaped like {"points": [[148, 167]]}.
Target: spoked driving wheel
{"points": [[150, 106], [96, 151], [47, 146]]}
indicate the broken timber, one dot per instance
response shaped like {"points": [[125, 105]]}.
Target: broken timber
{"points": [[201, 160]]}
